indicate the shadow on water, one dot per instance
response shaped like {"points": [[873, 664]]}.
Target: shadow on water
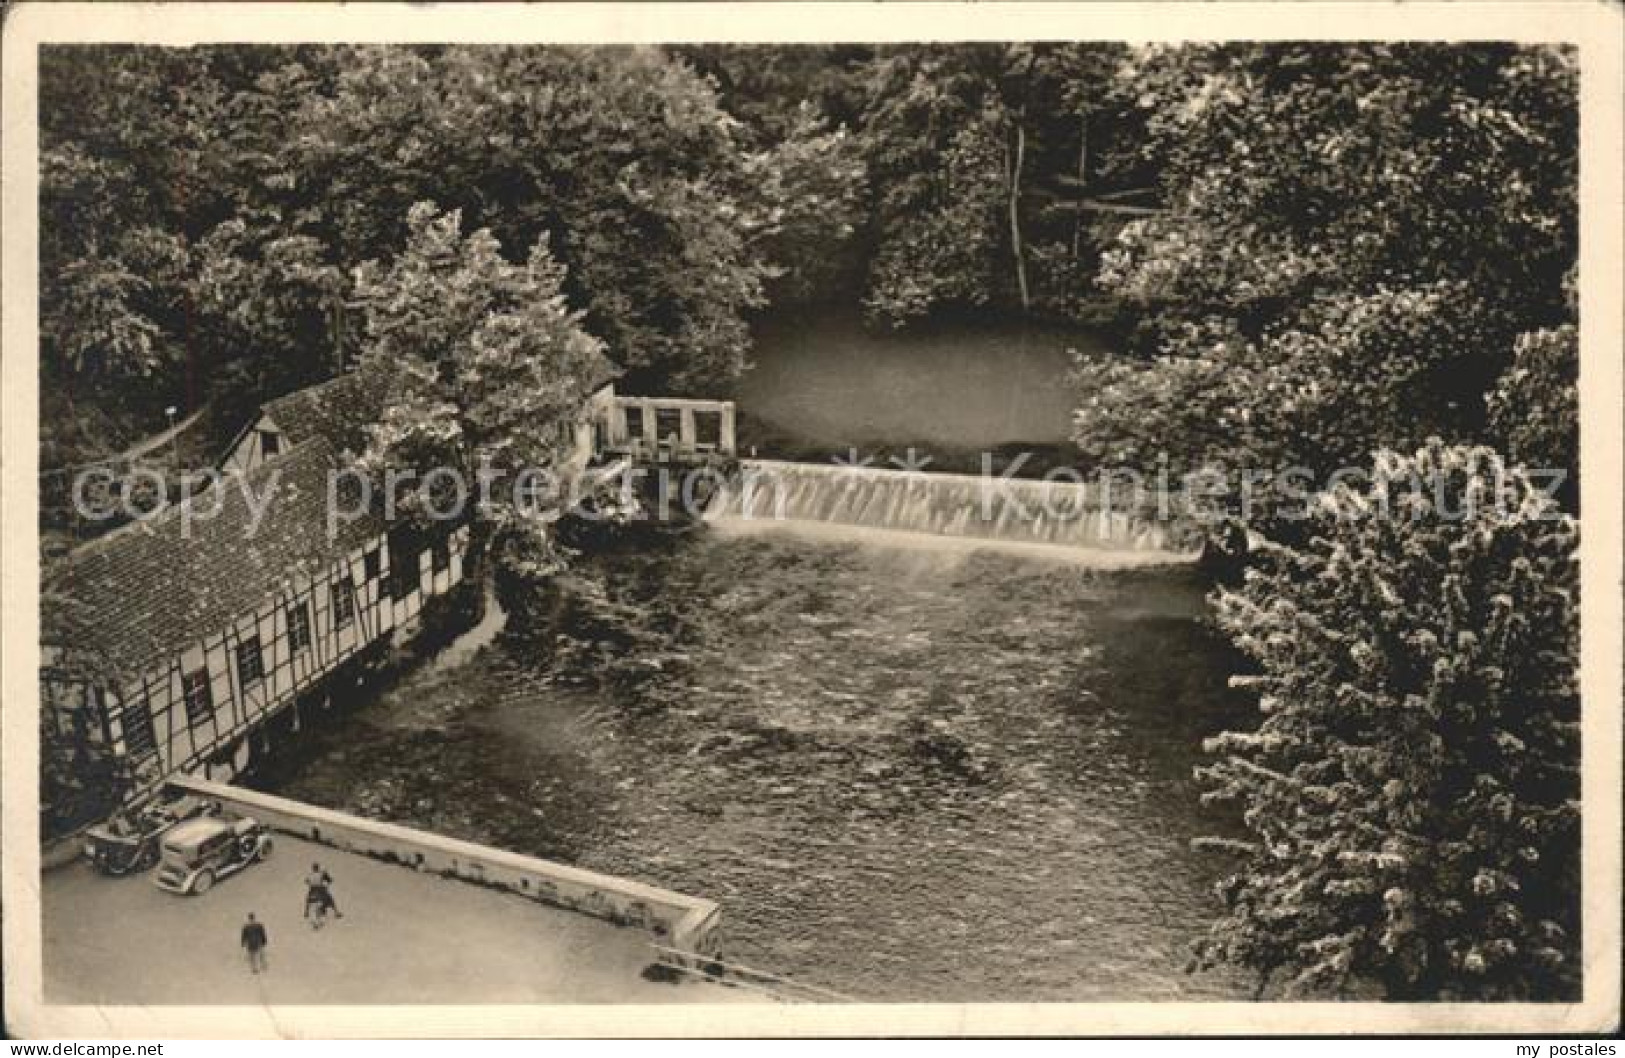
{"points": [[905, 773], [821, 384]]}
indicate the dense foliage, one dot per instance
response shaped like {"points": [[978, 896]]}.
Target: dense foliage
{"points": [[1413, 788], [486, 369], [1354, 239], [980, 158], [1374, 227], [1535, 406], [977, 167], [204, 211]]}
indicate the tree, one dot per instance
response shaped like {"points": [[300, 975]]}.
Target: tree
{"points": [[1535, 407], [626, 159], [271, 305], [487, 368], [1412, 790], [805, 204], [1353, 237]]}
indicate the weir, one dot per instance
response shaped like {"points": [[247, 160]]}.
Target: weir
{"points": [[1017, 510]]}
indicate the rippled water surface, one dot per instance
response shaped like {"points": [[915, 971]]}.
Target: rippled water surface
{"points": [[905, 773]]}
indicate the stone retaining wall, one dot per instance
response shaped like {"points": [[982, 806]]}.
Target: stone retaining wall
{"points": [[678, 921]]}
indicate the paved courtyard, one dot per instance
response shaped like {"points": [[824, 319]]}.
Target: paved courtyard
{"points": [[405, 938]]}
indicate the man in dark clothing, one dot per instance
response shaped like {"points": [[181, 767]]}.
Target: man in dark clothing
{"points": [[254, 943]]}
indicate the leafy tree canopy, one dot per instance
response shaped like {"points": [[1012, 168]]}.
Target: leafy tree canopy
{"points": [[487, 367], [1412, 790], [1354, 236], [204, 210]]}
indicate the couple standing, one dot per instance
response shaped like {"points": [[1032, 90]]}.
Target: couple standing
{"points": [[319, 896]]}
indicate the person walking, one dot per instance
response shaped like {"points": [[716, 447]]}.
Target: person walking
{"points": [[255, 941], [319, 896]]}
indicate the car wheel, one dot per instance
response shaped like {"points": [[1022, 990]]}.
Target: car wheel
{"points": [[202, 883]]}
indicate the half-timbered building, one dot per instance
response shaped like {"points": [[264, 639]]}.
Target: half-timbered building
{"points": [[222, 613], [219, 613]]}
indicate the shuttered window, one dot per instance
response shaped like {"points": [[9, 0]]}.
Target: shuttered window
{"points": [[250, 661], [298, 627], [343, 603], [137, 721]]}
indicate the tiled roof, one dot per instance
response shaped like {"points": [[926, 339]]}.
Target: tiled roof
{"points": [[338, 410], [150, 589]]}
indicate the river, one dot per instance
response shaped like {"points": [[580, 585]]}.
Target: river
{"points": [[906, 773]]}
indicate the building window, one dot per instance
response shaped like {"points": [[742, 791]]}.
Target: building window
{"points": [[199, 696], [343, 603], [669, 426], [371, 563], [298, 627], [137, 720], [250, 661], [708, 429], [441, 555], [270, 443]]}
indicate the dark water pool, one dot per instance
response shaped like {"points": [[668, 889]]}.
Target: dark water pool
{"points": [[823, 383], [905, 774]]}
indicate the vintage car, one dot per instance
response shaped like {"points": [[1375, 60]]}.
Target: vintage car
{"points": [[128, 842], [201, 851]]}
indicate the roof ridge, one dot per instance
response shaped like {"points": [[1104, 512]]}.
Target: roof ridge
{"points": [[316, 388]]}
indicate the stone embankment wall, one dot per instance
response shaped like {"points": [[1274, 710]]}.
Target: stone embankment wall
{"points": [[675, 920]]}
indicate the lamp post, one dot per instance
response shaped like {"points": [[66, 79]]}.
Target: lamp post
{"points": [[174, 443]]}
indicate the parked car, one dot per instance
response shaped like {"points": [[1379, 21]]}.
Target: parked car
{"points": [[128, 842], [201, 851]]}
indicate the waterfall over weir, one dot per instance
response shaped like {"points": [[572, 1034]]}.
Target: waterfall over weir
{"points": [[1022, 511]]}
